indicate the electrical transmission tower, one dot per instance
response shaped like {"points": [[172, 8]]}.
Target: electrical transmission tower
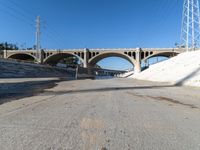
{"points": [[38, 33], [190, 32]]}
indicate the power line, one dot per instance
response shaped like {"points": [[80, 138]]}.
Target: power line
{"points": [[17, 13], [22, 8], [24, 15], [161, 11]]}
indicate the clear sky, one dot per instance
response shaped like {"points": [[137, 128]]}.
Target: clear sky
{"points": [[92, 23]]}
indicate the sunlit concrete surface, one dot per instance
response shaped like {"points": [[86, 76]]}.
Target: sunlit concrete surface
{"points": [[114, 114]]}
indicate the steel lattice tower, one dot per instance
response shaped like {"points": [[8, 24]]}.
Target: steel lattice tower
{"points": [[37, 41], [190, 32]]}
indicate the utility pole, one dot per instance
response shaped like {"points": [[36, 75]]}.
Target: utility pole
{"points": [[38, 33], [190, 31]]}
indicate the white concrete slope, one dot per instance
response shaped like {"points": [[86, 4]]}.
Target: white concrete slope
{"points": [[126, 75], [183, 69]]}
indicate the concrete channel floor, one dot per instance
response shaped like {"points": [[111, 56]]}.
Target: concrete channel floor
{"points": [[115, 114]]}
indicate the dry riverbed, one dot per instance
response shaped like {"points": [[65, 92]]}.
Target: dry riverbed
{"points": [[17, 88], [115, 114]]}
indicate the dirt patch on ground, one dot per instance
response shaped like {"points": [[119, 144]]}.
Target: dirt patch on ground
{"points": [[88, 123], [173, 101], [161, 98]]}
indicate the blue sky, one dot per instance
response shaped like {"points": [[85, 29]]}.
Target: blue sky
{"points": [[92, 23]]}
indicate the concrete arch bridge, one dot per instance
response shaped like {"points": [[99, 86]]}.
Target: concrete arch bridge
{"points": [[90, 57]]}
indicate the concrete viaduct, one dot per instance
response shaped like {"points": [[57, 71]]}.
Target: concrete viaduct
{"points": [[89, 57]]}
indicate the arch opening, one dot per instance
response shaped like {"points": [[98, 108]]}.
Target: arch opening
{"points": [[23, 57], [64, 60], [164, 54], [100, 57], [112, 64], [154, 60]]}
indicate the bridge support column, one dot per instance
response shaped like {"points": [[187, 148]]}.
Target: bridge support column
{"points": [[5, 54], [86, 61], [86, 58], [42, 53], [138, 61], [40, 57]]}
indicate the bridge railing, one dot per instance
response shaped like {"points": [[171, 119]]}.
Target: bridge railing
{"points": [[103, 49]]}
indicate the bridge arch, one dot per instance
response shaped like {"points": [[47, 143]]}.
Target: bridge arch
{"points": [[23, 57], [94, 60], [55, 58], [162, 54]]}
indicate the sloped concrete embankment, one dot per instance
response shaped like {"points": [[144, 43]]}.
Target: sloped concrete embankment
{"points": [[19, 79], [183, 69], [12, 69]]}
